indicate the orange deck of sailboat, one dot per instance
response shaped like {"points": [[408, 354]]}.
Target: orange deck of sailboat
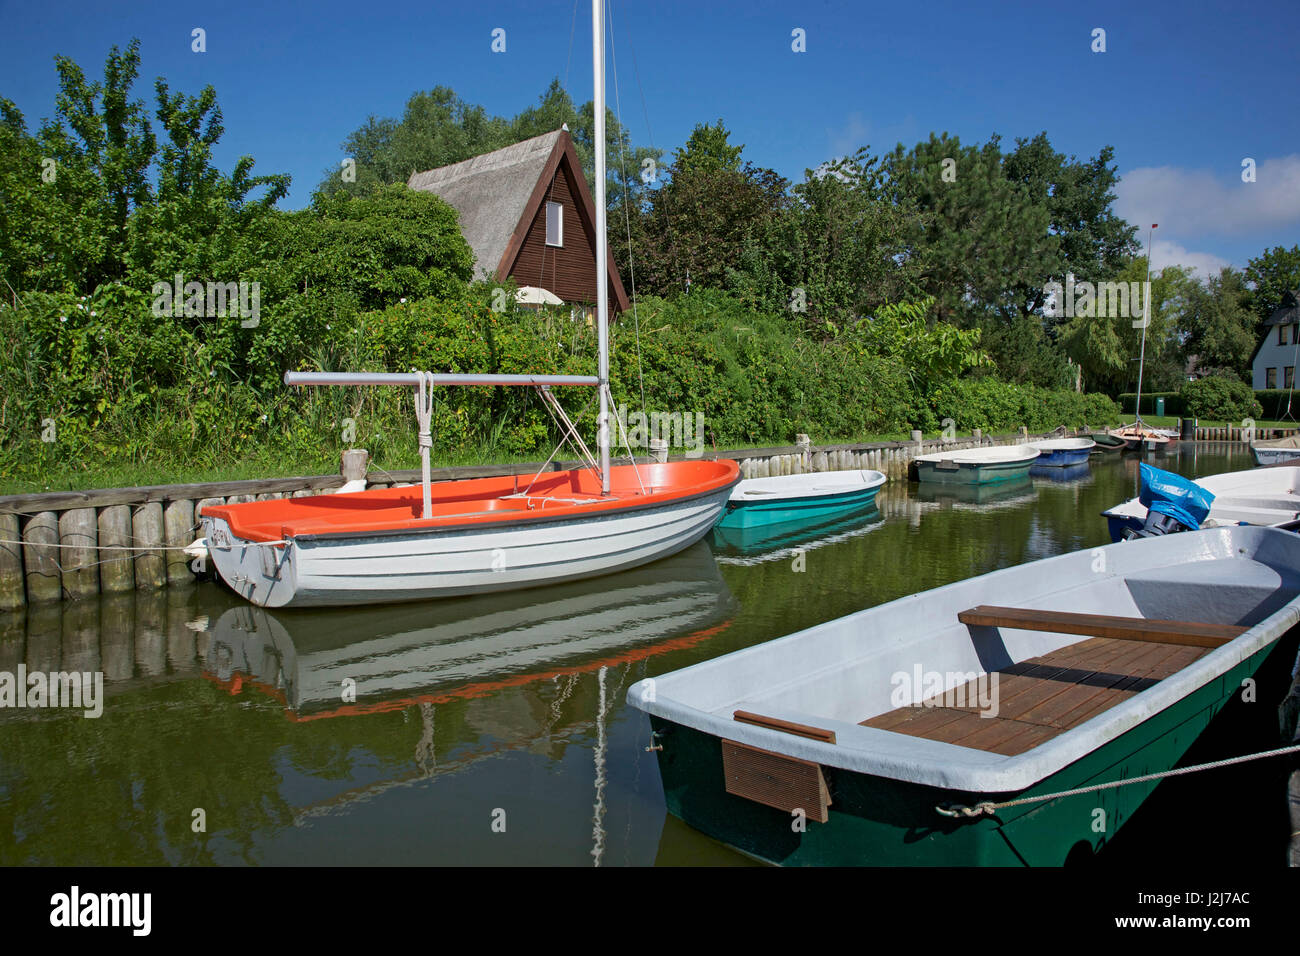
{"points": [[476, 501]]}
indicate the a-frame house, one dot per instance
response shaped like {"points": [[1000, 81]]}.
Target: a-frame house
{"points": [[526, 213]]}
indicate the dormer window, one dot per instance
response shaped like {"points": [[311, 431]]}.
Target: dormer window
{"points": [[554, 224]]}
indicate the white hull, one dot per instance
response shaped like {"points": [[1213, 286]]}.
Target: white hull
{"points": [[836, 675], [340, 569], [1267, 497]]}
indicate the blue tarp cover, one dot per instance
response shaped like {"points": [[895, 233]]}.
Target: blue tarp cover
{"points": [[1174, 496]]}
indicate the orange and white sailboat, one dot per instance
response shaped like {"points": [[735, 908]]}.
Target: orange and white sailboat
{"points": [[479, 535]]}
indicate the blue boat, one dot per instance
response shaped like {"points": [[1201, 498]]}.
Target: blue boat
{"points": [[1063, 452], [798, 498]]}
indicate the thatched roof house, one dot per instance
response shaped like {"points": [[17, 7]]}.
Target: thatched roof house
{"points": [[526, 213]]}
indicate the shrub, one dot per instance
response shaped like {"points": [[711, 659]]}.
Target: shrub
{"points": [[1221, 397]]}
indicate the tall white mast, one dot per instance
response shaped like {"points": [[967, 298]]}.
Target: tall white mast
{"points": [[1146, 320], [602, 255]]}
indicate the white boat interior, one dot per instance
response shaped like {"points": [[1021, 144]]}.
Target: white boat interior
{"points": [[842, 685], [987, 455], [811, 485]]}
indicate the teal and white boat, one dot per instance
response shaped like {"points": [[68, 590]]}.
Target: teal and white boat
{"points": [[861, 740], [977, 466], [757, 502]]}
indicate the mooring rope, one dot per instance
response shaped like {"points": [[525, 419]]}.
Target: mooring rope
{"points": [[988, 808], [127, 547]]}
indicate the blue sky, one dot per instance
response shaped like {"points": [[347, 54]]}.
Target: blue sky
{"points": [[1184, 91]]}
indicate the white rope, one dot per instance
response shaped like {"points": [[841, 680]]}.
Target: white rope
{"points": [[125, 547], [424, 416], [988, 808], [636, 470]]}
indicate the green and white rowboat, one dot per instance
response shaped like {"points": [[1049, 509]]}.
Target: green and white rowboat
{"points": [[845, 743]]}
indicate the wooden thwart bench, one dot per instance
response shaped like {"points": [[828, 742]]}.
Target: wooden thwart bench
{"points": [[1187, 633]]}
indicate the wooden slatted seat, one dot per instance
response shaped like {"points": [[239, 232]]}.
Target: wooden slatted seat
{"points": [[1187, 633], [1044, 696]]}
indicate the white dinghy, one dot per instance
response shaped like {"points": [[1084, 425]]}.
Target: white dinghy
{"points": [[1269, 497], [952, 727]]}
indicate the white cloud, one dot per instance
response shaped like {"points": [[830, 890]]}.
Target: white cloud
{"points": [[1201, 203], [1165, 252]]}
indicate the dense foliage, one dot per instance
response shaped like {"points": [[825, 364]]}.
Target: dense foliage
{"points": [[1222, 398]]}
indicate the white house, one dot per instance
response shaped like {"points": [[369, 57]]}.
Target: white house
{"points": [[1278, 353]]}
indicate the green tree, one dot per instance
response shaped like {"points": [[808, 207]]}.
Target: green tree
{"points": [[1092, 243], [710, 226], [1218, 323], [981, 240], [1271, 275], [707, 149], [1108, 346]]}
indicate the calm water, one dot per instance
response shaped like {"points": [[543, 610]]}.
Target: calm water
{"points": [[494, 730]]}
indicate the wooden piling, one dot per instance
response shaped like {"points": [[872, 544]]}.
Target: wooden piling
{"points": [[178, 531], [41, 559], [79, 536], [117, 568], [147, 532], [12, 593]]}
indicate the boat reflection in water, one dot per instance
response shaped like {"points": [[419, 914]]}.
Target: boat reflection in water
{"points": [[772, 542], [365, 660], [1006, 494]]}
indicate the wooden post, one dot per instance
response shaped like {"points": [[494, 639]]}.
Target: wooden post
{"points": [[117, 572], [147, 532], [354, 463], [178, 527], [11, 564], [79, 536], [40, 560]]}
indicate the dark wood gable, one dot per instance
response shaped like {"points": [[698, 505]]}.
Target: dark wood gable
{"points": [[569, 270]]}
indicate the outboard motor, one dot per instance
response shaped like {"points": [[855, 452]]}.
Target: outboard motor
{"points": [[1173, 503]]}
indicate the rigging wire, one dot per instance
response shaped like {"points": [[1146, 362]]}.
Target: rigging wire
{"points": [[627, 214]]}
